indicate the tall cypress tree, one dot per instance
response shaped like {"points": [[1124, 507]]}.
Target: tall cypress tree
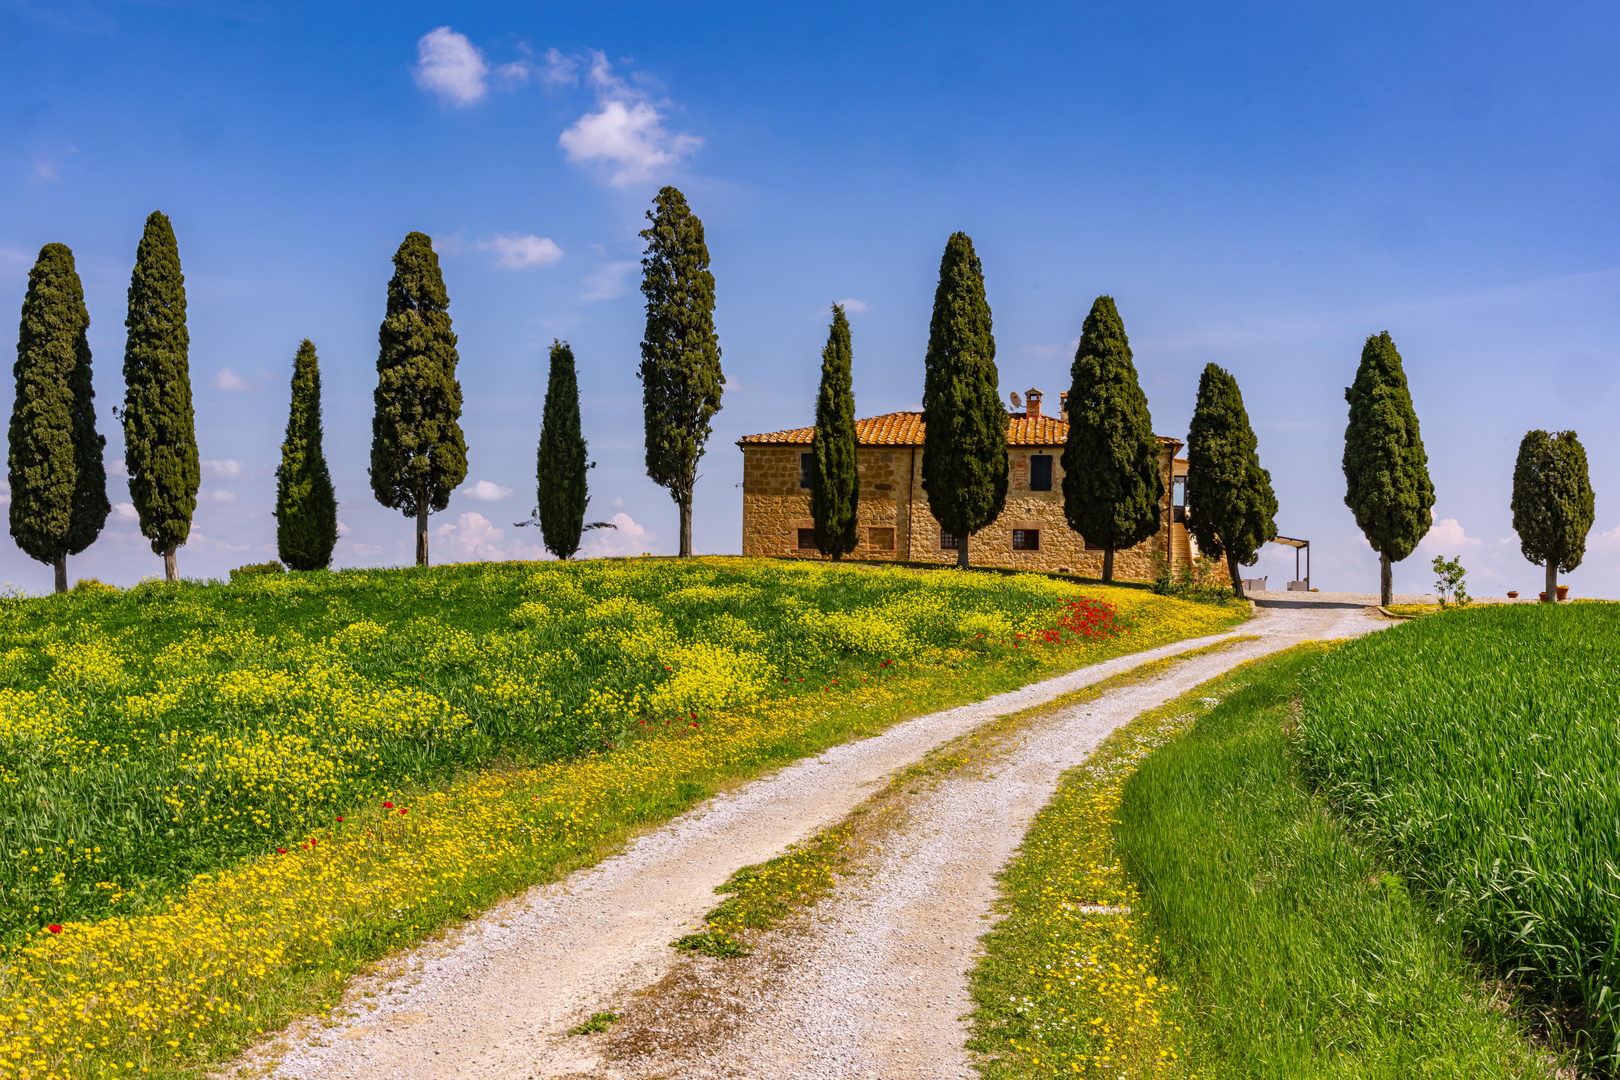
{"points": [[681, 380], [58, 482], [561, 493], [1112, 485], [160, 436], [1386, 470], [834, 483], [1231, 508], [418, 453], [306, 505], [964, 465], [1553, 505]]}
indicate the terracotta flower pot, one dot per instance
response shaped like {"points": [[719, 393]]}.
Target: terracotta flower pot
{"points": [[1563, 592], [1542, 597], [1514, 595]]}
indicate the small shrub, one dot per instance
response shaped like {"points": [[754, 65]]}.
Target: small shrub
{"points": [[1450, 580], [1196, 581], [91, 585], [712, 943], [255, 569]]}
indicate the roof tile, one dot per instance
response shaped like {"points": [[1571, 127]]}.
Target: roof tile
{"points": [[906, 429]]}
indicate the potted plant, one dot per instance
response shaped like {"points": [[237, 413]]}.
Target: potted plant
{"points": [[1513, 594], [1563, 592]]}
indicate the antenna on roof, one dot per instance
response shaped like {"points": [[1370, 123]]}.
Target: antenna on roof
{"points": [[1016, 403]]}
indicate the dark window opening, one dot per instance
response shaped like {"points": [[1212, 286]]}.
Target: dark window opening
{"points": [[1040, 472], [806, 463], [948, 541], [1027, 539], [807, 539]]}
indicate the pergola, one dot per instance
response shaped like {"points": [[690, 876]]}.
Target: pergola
{"points": [[1298, 546]]}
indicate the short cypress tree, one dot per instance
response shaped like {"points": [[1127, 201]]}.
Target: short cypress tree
{"points": [[58, 482], [681, 380], [1231, 508], [306, 505], [418, 453], [1112, 486], [160, 436], [1553, 505], [964, 465], [834, 483], [1386, 470], [561, 492]]}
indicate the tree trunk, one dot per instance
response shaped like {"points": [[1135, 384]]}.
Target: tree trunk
{"points": [[962, 552], [1108, 566], [1552, 581], [421, 532], [1232, 571], [171, 572], [686, 527], [1386, 579], [61, 572]]}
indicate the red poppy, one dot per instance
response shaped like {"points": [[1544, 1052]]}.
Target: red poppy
{"points": [[281, 851], [55, 928], [402, 811], [340, 819], [388, 806]]}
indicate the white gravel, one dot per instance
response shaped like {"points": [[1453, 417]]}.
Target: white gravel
{"points": [[878, 993]]}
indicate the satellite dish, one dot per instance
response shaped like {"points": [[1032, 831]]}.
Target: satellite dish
{"points": [[1016, 403]]}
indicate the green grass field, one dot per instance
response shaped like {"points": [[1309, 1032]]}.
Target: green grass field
{"points": [[153, 734], [1297, 948], [1480, 751]]}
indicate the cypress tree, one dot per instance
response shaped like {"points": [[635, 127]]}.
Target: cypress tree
{"points": [[306, 505], [1553, 505], [1112, 486], [834, 483], [1386, 471], [681, 380], [1230, 504], [58, 482], [418, 453], [160, 437], [964, 465], [560, 489]]}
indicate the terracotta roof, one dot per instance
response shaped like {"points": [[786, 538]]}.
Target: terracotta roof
{"points": [[906, 429]]}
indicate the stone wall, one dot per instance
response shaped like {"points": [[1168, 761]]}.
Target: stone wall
{"points": [[775, 508]]}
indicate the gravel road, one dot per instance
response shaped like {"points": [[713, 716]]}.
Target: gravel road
{"points": [[876, 992]]}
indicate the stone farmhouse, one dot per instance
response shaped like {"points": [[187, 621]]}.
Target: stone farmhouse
{"points": [[1031, 534]]}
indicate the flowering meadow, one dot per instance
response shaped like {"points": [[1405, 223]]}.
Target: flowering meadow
{"points": [[223, 800]]}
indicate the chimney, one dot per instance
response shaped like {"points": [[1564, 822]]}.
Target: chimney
{"points": [[1063, 406], [1032, 404]]}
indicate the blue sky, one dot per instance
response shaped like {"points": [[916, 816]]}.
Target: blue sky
{"points": [[1261, 186]]}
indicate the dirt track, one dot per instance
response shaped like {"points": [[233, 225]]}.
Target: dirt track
{"points": [[877, 990]]}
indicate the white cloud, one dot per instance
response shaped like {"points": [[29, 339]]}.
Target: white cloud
{"points": [[486, 491], [625, 136], [344, 530], [626, 538], [513, 75], [618, 502], [607, 281], [126, 511], [520, 252], [230, 380], [474, 537], [1447, 537], [116, 467], [228, 469], [198, 540], [452, 67], [218, 495], [560, 70], [46, 169], [853, 306]]}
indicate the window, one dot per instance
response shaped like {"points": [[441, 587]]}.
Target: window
{"points": [[806, 463], [1027, 539], [947, 540], [807, 539], [880, 539], [1040, 472]]}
